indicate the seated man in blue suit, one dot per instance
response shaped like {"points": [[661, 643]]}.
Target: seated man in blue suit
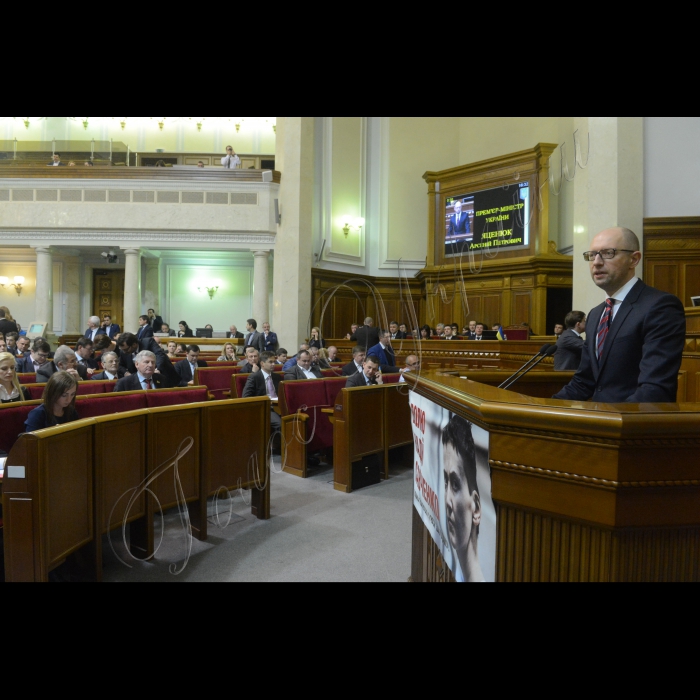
{"points": [[385, 354], [187, 367], [635, 340]]}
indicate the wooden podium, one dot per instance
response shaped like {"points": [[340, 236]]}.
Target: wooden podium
{"points": [[583, 492]]}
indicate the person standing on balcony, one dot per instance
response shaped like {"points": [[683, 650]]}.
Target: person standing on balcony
{"points": [[231, 161]]}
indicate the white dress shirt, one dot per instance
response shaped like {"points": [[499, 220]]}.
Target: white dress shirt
{"points": [[143, 380], [309, 374], [231, 162], [621, 295]]}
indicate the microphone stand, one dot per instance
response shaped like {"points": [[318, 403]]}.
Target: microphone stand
{"points": [[549, 353], [526, 367]]}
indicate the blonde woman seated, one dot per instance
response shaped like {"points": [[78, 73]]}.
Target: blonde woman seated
{"points": [[59, 404], [324, 361], [10, 389], [172, 351], [229, 353]]}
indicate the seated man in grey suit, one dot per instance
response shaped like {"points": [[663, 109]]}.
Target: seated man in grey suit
{"points": [[64, 360], [303, 369], [358, 359], [110, 362], [187, 367], [635, 340], [570, 343], [265, 383], [371, 375], [145, 378]]}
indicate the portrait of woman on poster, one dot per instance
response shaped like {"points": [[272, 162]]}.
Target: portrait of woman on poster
{"points": [[462, 499]]}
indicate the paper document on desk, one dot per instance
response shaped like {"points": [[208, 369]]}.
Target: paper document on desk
{"points": [[452, 489]]}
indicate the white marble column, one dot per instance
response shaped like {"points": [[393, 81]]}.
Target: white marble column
{"points": [[293, 247], [132, 290], [72, 267], [261, 294], [608, 193], [44, 287]]}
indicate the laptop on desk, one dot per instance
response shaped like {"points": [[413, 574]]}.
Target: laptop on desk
{"points": [[696, 301], [204, 333]]}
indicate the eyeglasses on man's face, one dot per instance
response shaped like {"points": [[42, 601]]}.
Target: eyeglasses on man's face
{"points": [[607, 254]]}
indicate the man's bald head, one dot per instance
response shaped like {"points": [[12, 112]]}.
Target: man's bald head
{"points": [[611, 275]]}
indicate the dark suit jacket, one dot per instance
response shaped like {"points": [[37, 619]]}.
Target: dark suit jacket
{"points": [[366, 337], [470, 336], [400, 336], [256, 340], [102, 378], [256, 385], [171, 378], [237, 336], [461, 226], [8, 327], [349, 370], [569, 350], [642, 353], [88, 334], [132, 383], [247, 368], [271, 344], [358, 380], [296, 374], [114, 330], [387, 358], [49, 369], [24, 365], [157, 324], [145, 332], [184, 371]]}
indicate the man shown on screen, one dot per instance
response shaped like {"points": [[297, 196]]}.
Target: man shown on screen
{"points": [[460, 224]]}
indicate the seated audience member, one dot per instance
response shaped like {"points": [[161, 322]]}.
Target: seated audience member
{"points": [[88, 164], [321, 360], [333, 354], [385, 353], [22, 347], [187, 367], [470, 332], [102, 345], [234, 334], [558, 331], [3, 345], [412, 365], [181, 349], [172, 350], [209, 327], [130, 347], [7, 325], [145, 377], [10, 389], [265, 383], [570, 344], [94, 329], [358, 358], [160, 164], [426, 333], [111, 329], [292, 361], [396, 333], [316, 341], [440, 330], [370, 375], [166, 331], [200, 164], [11, 342], [449, 333], [282, 356], [84, 351], [303, 369], [65, 360], [252, 362], [145, 330], [58, 407], [353, 330], [71, 164], [185, 331], [479, 333], [38, 357], [455, 330], [270, 340], [403, 328], [229, 354], [110, 362], [56, 162]]}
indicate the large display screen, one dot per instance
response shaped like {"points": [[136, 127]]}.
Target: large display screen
{"points": [[488, 221]]}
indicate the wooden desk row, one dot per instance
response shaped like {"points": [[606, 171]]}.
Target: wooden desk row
{"points": [[66, 487]]}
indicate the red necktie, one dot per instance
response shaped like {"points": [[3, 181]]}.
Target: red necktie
{"points": [[604, 327], [147, 382]]}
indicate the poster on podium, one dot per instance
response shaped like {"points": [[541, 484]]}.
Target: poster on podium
{"points": [[452, 489]]}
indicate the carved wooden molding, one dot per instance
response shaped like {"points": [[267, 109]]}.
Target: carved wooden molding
{"points": [[672, 244]]}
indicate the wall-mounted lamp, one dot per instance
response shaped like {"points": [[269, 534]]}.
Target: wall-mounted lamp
{"points": [[211, 291], [18, 283], [357, 224]]}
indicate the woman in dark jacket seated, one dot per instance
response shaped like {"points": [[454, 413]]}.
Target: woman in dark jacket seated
{"points": [[59, 404], [10, 389], [185, 331]]}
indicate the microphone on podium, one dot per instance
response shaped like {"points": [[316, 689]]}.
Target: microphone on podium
{"points": [[545, 352]]}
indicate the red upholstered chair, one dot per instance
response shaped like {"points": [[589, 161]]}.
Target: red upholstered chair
{"points": [[27, 378], [333, 388], [96, 406], [36, 391], [92, 388], [238, 385], [217, 380], [330, 373], [12, 420], [159, 399], [392, 378]]}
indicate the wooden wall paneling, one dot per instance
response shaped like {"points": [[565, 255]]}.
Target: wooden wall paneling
{"points": [[492, 310], [522, 308], [666, 277], [691, 282]]}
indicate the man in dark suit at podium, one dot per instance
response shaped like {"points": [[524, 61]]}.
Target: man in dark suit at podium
{"points": [[460, 223], [636, 339]]}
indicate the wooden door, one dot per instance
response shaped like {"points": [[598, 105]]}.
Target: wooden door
{"points": [[108, 294]]}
